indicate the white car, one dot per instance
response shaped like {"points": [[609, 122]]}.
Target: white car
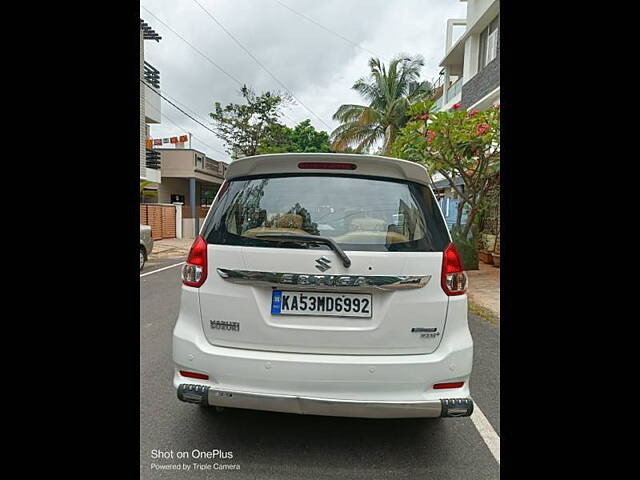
{"points": [[325, 284], [146, 244]]}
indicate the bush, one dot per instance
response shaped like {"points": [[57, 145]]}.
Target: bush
{"points": [[467, 247]]}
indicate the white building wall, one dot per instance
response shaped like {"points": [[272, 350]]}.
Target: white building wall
{"points": [[471, 51], [152, 106], [475, 9]]}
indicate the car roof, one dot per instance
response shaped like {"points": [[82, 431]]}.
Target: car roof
{"points": [[371, 165]]}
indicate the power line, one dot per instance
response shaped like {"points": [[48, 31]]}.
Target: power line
{"points": [[288, 117], [195, 114], [162, 95], [190, 110], [176, 106], [327, 29], [259, 63], [191, 45], [184, 113], [192, 135], [182, 128], [206, 58]]}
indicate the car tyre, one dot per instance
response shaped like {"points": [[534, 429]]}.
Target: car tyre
{"points": [[143, 257]]}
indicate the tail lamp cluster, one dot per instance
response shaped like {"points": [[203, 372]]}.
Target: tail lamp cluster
{"points": [[194, 272], [454, 280]]}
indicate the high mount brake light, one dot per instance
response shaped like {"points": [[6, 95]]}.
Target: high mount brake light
{"points": [[194, 272], [454, 280], [327, 166]]}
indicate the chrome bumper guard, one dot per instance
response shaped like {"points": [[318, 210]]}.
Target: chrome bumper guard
{"points": [[207, 396]]}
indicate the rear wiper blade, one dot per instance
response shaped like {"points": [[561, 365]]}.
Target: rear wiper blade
{"points": [[295, 237]]}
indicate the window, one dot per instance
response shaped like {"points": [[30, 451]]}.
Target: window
{"points": [[207, 194], [482, 51], [359, 213], [488, 49]]}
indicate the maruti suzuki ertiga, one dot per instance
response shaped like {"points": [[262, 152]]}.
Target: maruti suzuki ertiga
{"points": [[325, 284]]}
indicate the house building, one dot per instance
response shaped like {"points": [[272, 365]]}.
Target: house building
{"points": [[448, 199], [191, 178], [470, 77], [150, 112], [470, 72]]}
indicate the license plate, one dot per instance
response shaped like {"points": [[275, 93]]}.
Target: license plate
{"points": [[321, 304]]}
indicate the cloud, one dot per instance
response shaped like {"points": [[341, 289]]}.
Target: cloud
{"points": [[317, 66]]}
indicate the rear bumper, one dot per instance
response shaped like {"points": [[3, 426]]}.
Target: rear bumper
{"points": [[203, 395], [378, 386], [353, 386]]}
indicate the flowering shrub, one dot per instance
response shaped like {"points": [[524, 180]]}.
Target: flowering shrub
{"points": [[455, 143], [482, 129]]}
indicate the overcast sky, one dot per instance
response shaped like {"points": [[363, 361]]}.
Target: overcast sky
{"points": [[317, 66]]}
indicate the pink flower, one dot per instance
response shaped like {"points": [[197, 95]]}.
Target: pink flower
{"points": [[424, 117], [456, 106], [430, 136], [482, 129], [473, 112]]}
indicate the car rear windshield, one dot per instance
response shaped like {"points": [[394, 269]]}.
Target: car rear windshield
{"points": [[359, 213]]}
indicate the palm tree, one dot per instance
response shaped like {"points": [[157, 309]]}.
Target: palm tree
{"points": [[389, 93]]}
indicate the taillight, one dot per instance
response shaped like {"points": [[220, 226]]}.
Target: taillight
{"points": [[201, 376], [454, 280], [440, 386], [327, 166], [194, 272]]}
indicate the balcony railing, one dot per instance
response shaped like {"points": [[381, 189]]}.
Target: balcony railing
{"points": [[153, 159], [454, 89], [151, 75], [438, 105]]}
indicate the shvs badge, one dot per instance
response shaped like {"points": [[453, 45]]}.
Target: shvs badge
{"points": [[426, 332]]}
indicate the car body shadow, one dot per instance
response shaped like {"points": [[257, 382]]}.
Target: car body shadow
{"points": [[277, 441]]}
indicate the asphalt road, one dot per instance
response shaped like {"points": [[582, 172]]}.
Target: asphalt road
{"points": [[273, 445]]}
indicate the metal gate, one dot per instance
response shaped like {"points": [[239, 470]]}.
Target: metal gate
{"points": [[161, 218]]}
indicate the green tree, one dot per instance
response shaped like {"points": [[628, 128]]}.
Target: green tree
{"points": [[243, 126], [349, 150], [455, 143], [389, 93], [144, 191], [302, 138]]}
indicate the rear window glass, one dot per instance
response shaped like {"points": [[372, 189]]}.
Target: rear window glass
{"points": [[359, 213]]}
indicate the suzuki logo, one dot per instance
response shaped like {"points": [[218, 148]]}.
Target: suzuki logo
{"points": [[323, 264]]}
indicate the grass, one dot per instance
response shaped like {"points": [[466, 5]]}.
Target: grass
{"points": [[483, 312]]}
